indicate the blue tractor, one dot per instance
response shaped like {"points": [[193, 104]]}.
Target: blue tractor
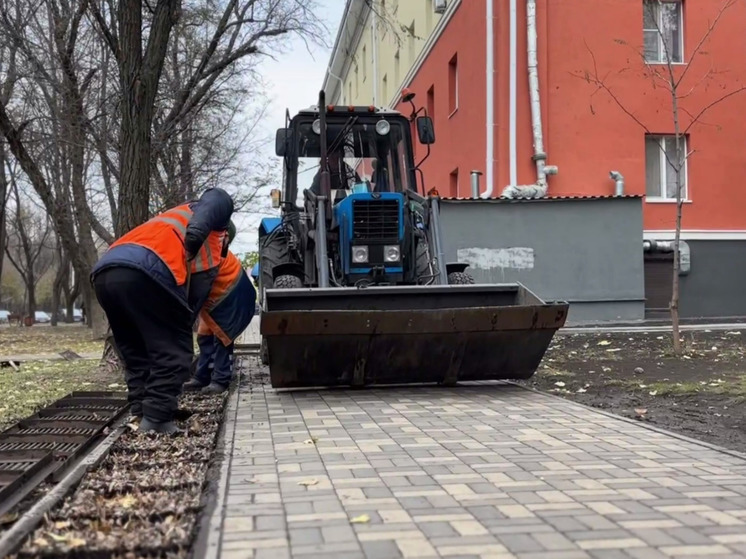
{"points": [[352, 279]]}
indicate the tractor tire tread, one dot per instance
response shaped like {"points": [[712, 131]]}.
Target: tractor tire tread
{"points": [[460, 278], [287, 282]]}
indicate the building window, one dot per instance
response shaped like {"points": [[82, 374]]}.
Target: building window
{"points": [[662, 30], [453, 182], [453, 84], [431, 101], [661, 161]]}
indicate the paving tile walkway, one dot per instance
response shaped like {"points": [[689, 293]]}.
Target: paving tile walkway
{"points": [[480, 471]]}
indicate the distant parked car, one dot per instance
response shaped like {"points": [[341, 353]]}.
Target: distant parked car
{"points": [[4, 317], [42, 318], [77, 315]]}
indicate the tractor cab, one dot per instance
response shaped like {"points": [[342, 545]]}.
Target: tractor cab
{"points": [[368, 150], [370, 177]]}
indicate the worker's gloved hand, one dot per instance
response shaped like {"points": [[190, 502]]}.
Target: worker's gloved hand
{"points": [[192, 244]]}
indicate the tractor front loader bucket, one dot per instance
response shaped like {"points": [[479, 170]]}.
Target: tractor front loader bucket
{"points": [[412, 334]]}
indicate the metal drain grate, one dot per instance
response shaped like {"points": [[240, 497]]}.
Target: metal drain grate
{"points": [[48, 440]]}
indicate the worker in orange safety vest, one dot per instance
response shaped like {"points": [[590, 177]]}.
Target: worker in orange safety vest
{"points": [[150, 283], [227, 313]]}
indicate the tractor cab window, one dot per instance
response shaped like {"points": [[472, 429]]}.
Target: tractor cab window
{"points": [[360, 157]]}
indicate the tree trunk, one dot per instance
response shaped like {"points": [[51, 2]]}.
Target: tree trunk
{"points": [[31, 294], [3, 205], [55, 304], [139, 75], [680, 160]]}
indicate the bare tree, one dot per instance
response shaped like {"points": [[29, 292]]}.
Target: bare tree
{"points": [[27, 244], [660, 15], [233, 31], [50, 145]]}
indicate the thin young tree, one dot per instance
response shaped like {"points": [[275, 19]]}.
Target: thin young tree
{"points": [[27, 244], [662, 16]]}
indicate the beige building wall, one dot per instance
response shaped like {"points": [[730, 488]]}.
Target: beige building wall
{"points": [[377, 47]]}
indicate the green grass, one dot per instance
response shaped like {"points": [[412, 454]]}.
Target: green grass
{"points": [[38, 383], [16, 340]]}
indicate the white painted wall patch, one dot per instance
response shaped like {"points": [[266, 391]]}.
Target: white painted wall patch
{"points": [[514, 258]]}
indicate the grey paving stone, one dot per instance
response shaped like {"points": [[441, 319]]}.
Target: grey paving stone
{"points": [[539, 478]]}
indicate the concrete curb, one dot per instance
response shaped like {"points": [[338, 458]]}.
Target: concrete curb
{"points": [[209, 538]]}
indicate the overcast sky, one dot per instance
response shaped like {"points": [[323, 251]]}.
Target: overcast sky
{"points": [[294, 81]]}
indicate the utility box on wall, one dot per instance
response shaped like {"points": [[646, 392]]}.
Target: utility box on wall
{"points": [[584, 250]]}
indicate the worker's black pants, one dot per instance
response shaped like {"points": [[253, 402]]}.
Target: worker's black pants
{"points": [[153, 333]]}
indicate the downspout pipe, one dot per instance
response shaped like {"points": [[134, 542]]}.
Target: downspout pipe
{"points": [[513, 101], [618, 179], [539, 189], [374, 53], [533, 88], [490, 95]]}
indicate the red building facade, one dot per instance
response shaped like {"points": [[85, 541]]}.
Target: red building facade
{"points": [[605, 105]]}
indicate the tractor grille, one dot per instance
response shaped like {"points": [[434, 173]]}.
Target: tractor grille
{"points": [[375, 220]]}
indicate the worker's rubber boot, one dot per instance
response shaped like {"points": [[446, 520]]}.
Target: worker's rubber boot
{"points": [[214, 388], [166, 427], [193, 385]]}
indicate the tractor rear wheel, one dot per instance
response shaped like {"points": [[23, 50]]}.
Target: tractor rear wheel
{"points": [[460, 278]]}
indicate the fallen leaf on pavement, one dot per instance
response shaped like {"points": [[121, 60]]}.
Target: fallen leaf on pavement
{"points": [[559, 383], [308, 482], [362, 519], [604, 342]]}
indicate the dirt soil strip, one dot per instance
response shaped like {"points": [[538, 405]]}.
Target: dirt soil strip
{"points": [[143, 500], [701, 395]]}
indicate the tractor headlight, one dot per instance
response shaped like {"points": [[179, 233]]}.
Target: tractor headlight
{"points": [[316, 127], [391, 253], [383, 127], [360, 254]]}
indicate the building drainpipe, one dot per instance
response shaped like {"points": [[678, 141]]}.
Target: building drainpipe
{"points": [[374, 49], [539, 189], [618, 179], [490, 94], [513, 91]]}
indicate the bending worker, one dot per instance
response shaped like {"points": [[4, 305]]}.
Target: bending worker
{"points": [[227, 313], [148, 282]]}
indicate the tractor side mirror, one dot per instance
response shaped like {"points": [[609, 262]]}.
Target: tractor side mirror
{"points": [[276, 195], [425, 130], [282, 141]]}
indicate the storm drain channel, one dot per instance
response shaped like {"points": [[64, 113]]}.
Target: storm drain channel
{"points": [[44, 446]]}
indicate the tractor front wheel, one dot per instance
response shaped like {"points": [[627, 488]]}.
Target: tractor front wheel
{"points": [[287, 282], [460, 278]]}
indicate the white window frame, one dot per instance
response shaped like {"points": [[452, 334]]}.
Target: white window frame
{"points": [[663, 166], [659, 37]]}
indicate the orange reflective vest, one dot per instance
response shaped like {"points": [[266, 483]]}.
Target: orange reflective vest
{"points": [[164, 235], [230, 274]]}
